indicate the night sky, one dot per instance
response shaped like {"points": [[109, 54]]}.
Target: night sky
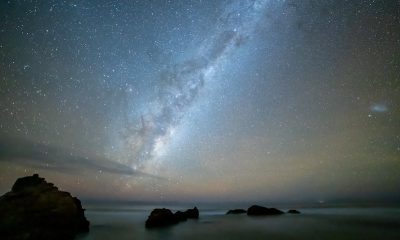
{"points": [[292, 101]]}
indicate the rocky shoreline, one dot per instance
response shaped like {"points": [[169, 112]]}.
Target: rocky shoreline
{"points": [[36, 209]]}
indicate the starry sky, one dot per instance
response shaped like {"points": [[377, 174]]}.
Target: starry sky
{"points": [[156, 100]]}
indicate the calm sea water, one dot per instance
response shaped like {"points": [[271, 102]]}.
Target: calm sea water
{"points": [[127, 222]]}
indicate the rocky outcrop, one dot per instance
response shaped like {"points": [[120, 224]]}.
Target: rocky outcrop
{"points": [[161, 217], [35, 209], [236, 211], [293, 211], [256, 210], [192, 213]]}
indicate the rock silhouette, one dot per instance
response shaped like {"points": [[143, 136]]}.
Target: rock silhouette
{"points": [[293, 211], [35, 209], [162, 217], [192, 213], [256, 210], [236, 211]]}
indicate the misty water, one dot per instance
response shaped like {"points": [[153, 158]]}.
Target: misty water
{"points": [[127, 222]]}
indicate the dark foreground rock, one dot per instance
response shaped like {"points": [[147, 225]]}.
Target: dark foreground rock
{"points": [[236, 211], [293, 211], [162, 217], [256, 210], [35, 209]]}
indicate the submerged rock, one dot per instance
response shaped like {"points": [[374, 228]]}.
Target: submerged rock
{"points": [[256, 210], [236, 211], [35, 209], [161, 217], [293, 211]]}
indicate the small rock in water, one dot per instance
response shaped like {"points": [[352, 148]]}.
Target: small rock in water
{"points": [[256, 210], [192, 213], [161, 217]]}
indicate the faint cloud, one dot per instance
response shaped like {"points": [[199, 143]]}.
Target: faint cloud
{"points": [[44, 156]]}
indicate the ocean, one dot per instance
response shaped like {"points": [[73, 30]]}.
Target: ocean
{"points": [[127, 222]]}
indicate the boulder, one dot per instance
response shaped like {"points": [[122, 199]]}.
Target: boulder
{"points": [[161, 217], [35, 209], [236, 211], [256, 210], [293, 211]]}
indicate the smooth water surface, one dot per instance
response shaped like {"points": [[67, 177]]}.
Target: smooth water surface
{"points": [[317, 223]]}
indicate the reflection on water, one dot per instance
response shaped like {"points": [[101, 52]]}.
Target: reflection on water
{"points": [[323, 223]]}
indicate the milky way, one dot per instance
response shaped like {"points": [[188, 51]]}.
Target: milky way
{"points": [[181, 82], [295, 101]]}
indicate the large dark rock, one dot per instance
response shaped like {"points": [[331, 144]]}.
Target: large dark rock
{"points": [[256, 210], [192, 213], [293, 211], [35, 209], [161, 217], [236, 211], [180, 216]]}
